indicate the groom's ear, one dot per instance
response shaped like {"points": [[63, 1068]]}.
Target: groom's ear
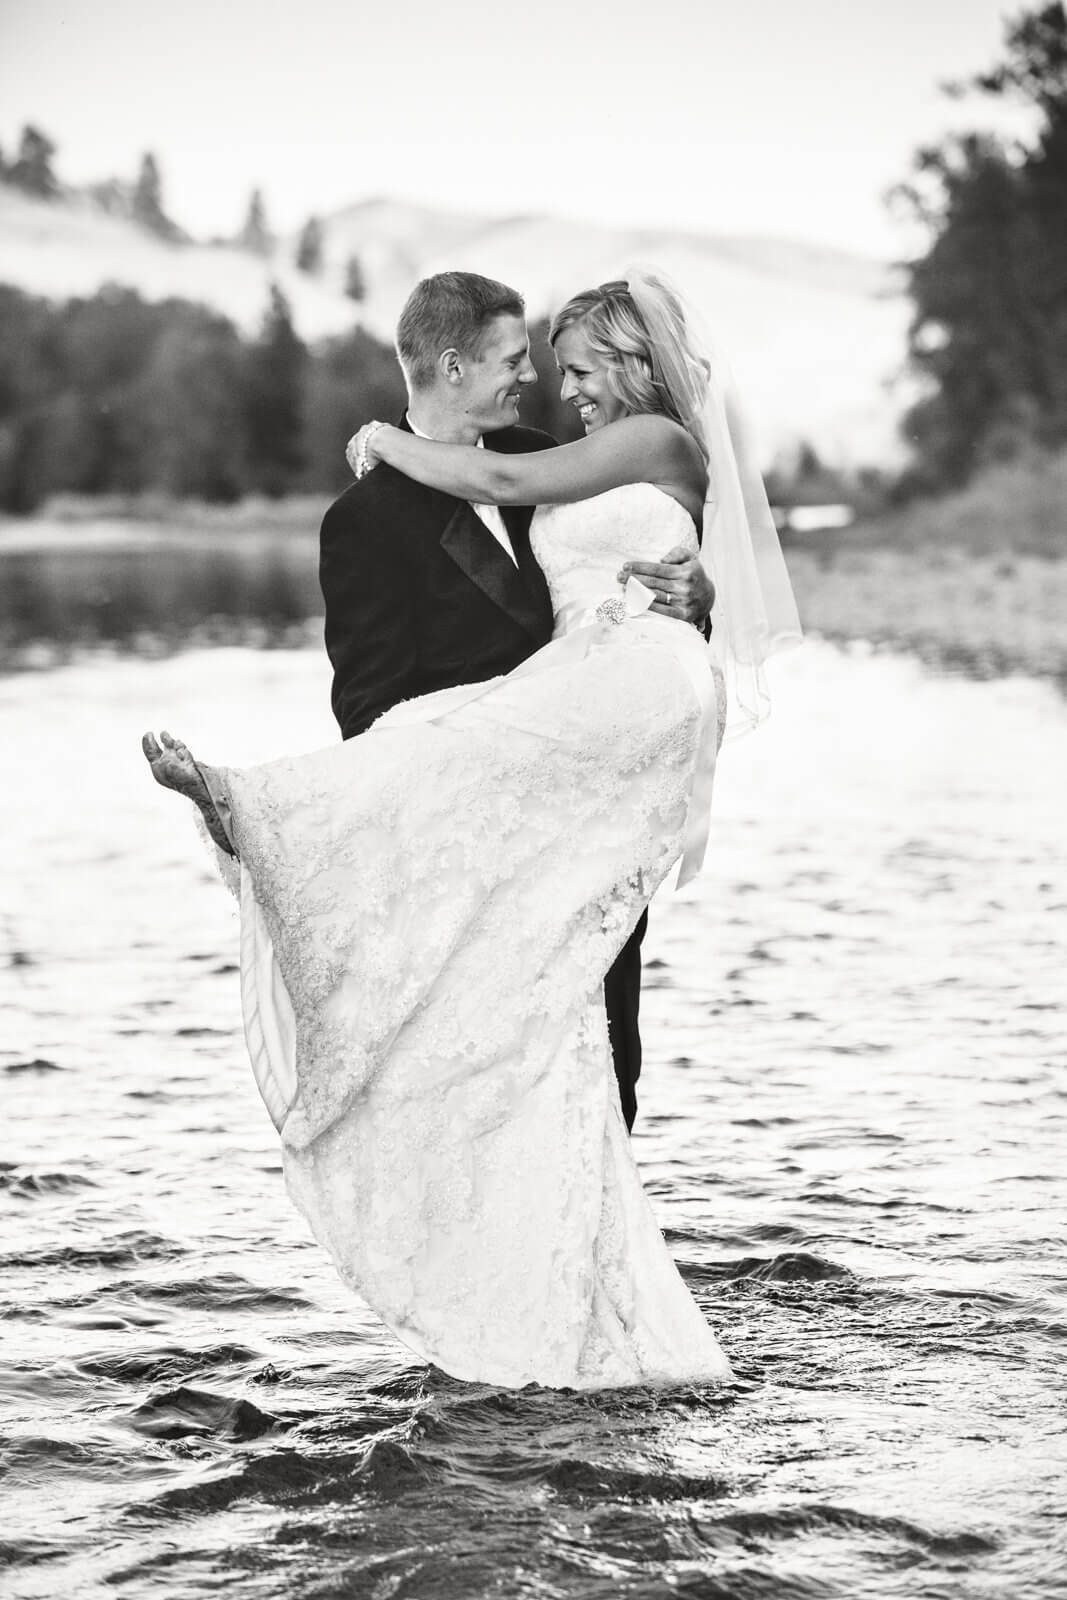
{"points": [[450, 365]]}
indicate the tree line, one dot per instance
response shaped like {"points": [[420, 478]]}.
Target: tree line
{"points": [[32, 171], [111, 393], [988, 333], [115, 394]]}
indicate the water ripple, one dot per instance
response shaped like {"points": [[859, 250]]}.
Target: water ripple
{"points": [[853, 1118]]}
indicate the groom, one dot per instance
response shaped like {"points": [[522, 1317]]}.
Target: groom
{"points": [[425, 592]]}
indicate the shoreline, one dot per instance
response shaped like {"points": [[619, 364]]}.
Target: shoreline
{"points": [[980, 616], [152, 581]]}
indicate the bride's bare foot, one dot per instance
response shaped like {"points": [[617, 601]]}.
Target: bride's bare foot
{"points": [[173, 767]]}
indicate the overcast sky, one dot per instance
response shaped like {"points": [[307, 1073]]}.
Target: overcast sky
{"points": [[781, 117]]}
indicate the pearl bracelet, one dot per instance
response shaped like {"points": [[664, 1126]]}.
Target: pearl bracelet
{"points": [[360, 466]]}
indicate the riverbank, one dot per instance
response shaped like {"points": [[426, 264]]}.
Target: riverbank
{"points": [[974, 583], [982, 616], [151, 577]]}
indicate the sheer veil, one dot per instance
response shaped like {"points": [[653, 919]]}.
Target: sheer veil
{"points": [[755, 613]]}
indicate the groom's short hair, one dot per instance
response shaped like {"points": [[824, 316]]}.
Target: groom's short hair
{"points": [[450, 311]]}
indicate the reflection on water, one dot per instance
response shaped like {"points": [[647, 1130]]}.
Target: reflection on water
{"points": [[852, 1124]]}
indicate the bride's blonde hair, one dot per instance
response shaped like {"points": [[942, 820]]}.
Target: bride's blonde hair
{"points": [[636, 372]]}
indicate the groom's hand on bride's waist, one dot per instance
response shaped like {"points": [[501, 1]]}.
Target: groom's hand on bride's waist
{"points": [[679, 582]]}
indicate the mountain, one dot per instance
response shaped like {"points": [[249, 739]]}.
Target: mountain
{"points": [[816, 336]]}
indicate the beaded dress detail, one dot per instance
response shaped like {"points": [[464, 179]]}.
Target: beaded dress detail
{"points": [[428, 912]]}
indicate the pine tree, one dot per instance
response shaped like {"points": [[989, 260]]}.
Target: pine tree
{"points": [[352, 377], [255, 236], [190, 411], [111, 196], [355, 283], [31, 170], [146, 206], [989, 330], [274, 405], [309, 247]]}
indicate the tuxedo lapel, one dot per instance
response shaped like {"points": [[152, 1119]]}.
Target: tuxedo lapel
{"points": [[517, 590], [468, 542], [516, 520]]}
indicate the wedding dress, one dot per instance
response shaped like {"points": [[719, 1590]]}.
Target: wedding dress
{"points": [[428, 912]]}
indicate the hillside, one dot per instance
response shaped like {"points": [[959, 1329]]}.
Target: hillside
{"points": [[816, 336], [69, 248]]}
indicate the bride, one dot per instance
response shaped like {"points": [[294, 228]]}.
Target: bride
{"points": [[428, 910]]}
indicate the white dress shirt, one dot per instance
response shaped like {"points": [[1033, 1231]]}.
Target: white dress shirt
{"points": [[490, 515]]}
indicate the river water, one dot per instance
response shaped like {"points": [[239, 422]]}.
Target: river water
{"points": [[852, 1125]]}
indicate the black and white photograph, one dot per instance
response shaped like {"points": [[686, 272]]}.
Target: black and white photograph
{"points": [[533, 713]]}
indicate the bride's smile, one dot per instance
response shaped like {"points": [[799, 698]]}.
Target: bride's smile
{"points": [[585, 380]]}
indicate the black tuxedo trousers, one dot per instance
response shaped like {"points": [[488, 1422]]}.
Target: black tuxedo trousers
{"points": [[420, 596]]}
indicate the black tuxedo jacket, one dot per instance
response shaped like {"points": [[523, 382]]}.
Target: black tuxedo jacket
{"points": [[419, 595]]}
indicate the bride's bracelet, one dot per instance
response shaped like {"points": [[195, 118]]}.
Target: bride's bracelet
{"points": [[360, 465]]}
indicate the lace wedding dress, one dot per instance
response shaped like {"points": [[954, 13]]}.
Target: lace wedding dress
{"points": [[428, 912]]}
